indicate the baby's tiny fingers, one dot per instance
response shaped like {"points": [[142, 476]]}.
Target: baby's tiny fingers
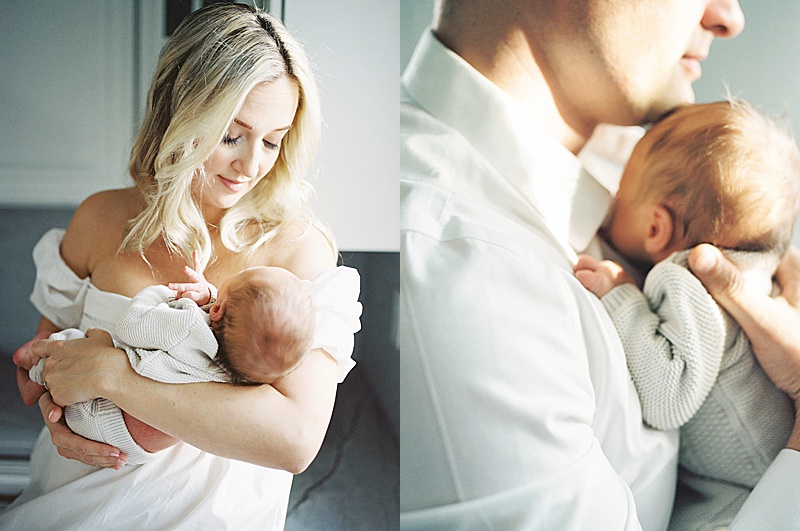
{"points": [[196, 260], [182, 288], [585, 262], [193, 275]]}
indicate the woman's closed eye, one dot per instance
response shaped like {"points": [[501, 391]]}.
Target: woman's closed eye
{"points": [[231, 141]]}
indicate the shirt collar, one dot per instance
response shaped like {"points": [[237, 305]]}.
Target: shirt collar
{"points": [[549, 181]]}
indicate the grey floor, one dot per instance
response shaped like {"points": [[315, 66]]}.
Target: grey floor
{"points": [[353, 483]]}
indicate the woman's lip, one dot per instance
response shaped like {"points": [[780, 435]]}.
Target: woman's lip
{"points": [[233, 186], [692, 65]]}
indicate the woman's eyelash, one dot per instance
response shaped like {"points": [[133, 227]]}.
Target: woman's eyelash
{"points": [[232, 141]]}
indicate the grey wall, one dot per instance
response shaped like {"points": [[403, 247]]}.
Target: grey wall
{"points": [[415, 16], [20, 229], [761, 64]]}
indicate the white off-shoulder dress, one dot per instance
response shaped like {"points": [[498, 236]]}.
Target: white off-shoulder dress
{"points": [[183, 487]]}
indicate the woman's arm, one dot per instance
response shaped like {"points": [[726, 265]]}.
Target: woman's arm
{"points": [[279, 426]]}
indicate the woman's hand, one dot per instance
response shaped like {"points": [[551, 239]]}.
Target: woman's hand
{"points": [[771, 323], [78, 370], [73, 446], [75, 371]]}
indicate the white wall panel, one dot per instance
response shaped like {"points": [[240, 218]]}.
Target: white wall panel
{"points": [[355, 45], [67, 111]]}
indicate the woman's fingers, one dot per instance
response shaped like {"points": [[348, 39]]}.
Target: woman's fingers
{"points": [[45, 348], [77, 370], [51, 412], [73, 446]]}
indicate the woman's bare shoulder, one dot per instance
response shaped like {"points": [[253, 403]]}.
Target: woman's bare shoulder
{"points": [[304, 250], [97, 226], [113, 206]]}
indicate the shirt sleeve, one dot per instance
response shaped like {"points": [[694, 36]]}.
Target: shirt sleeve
{"points": [[775, 502], [674, 337], [497, 403]]}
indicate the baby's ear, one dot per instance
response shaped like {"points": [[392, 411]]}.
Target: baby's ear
{"points": [[217, 311], [660, 231]]}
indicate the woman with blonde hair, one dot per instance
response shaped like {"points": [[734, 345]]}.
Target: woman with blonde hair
{"points": [[231, 128]]}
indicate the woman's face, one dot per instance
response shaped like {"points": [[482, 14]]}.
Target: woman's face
{"points": [[250, 147]]}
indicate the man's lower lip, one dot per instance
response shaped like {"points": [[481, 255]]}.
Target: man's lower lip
{"points": [[693, 66]]}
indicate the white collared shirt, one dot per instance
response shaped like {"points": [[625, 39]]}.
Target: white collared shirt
{"points": [[517, 409]]}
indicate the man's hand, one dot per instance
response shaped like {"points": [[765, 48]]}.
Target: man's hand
{"points": [[600, 277], [771, 323]]}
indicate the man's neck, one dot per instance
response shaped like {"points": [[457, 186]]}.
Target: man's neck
{"points": [[506, 59]]}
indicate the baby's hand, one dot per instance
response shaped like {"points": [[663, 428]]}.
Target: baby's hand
{"points": [[600, 277], [197, 289]]}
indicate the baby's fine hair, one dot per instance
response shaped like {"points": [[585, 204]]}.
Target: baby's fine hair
{"points": [[216, 56], [274, 319], [727, 172]]}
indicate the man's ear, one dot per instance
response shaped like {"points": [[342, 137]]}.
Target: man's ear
{"points": [[217, 311], [660, 230]]}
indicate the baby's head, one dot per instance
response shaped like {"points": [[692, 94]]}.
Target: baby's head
{"points": [[720, 173], [264, 321]]}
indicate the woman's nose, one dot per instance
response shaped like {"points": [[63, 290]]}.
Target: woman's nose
{"points": [[246, 162]]}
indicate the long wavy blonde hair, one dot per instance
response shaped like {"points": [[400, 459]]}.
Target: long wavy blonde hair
{"points": [[214, 59]]}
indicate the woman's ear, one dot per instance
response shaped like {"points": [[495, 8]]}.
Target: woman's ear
{"points": [[660, 231], [217, 311]]}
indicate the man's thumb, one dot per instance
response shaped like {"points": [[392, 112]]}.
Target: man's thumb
{"points": [[720, 277]]}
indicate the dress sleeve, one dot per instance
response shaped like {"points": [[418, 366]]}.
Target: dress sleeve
{"points": [[335, 294], [674, 337], [58, 293]]}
